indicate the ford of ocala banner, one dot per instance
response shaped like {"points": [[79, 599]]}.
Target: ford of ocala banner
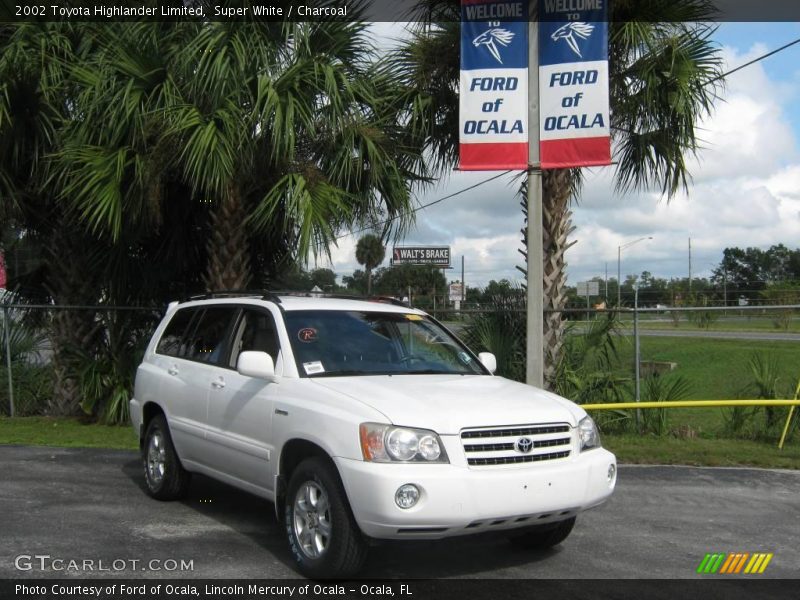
{"points": [[573, 84], [494, 85]]}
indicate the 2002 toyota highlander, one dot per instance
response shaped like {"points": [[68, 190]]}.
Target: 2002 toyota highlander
{"points": [[360, 420]]}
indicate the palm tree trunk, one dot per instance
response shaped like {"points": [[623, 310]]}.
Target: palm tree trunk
{"points": [[557, 188], [70, 282], [228, 256]]}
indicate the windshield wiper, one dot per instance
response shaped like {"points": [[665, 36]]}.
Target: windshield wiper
{"points": [[429, 372], [341, 373]]}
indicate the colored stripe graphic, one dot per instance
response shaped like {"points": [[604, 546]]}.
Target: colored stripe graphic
{"points": [[733, 563]]}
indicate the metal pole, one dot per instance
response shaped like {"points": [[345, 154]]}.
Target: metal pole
{"points": [[588, 307], [534, 367], [619, 276], [606, 294], [690, 266], [534, 372], [636, 350], [463, 284], [725, 287], [7, 328]]}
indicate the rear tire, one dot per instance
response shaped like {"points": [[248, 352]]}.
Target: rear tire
{"points": [[164, 474], [323, 535], [545, 537]]}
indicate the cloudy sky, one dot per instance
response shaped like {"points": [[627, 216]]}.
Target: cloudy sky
{"points": [[745, 190]]}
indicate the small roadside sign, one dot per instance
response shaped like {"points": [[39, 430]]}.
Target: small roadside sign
{"points": [[456, 292], [588, 288]]}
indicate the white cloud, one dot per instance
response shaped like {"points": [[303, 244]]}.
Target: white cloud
{"points": [[745, 192]]}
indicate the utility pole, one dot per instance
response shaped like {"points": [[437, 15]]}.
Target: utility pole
{"points": [[463, 283], [534, 367], [690, 265], [606, 295], [725, 286]]}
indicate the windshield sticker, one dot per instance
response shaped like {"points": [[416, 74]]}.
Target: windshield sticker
{"points": [[465, 357], [307, 335], [413, 317], [312, 368]]}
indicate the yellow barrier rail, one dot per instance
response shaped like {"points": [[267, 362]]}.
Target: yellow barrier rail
{"points": [[705, 404], [689, 404]]}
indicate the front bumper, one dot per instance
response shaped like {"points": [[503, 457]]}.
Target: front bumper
{"points": [[459, 500]]}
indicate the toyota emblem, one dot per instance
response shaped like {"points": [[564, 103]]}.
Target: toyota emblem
{"points": [[523, 445]]}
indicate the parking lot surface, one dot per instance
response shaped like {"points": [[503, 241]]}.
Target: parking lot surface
{"points": [[89, 505]]}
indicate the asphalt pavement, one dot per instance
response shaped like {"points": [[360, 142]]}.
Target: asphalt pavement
{"points": [[89, 505]]}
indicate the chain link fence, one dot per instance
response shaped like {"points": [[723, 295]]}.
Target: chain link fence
{"points": [[35, 361]]}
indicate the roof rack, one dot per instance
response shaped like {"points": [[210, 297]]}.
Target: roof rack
{"points": [[263, 294], [381, 299], [388, 300]]}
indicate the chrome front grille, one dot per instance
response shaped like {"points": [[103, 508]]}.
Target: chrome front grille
{"points": [[516, 444]]}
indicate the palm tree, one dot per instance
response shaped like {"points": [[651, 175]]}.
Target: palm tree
{"points": [[663, 70], [34, 104], [286, 130], [370, 252]]}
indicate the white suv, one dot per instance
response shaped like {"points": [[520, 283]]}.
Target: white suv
{"points": [[360, 420]]}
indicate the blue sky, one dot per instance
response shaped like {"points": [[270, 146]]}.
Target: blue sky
{"points": [[746, 189]]}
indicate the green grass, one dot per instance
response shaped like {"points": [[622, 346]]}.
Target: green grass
{"points": [[651, 450], [70, 433], [754, 323], [629, 448], [715, 370]]}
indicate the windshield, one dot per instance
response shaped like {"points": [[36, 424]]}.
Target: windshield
{"points": [[330, 343]]}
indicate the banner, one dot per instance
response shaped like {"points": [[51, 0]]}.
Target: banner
{"points": [[493, 115], [573, 84]]}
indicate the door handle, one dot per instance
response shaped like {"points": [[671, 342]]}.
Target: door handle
{"points": [[173, 370], [219, 384]]}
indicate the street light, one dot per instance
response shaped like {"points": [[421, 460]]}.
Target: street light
{"points": [[619, 266]]}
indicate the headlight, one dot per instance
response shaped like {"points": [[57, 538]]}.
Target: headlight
{"points": [[386, 443], [590, 437]]}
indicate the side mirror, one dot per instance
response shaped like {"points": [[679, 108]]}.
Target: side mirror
{"points": [[256, 364], [489, 361]]}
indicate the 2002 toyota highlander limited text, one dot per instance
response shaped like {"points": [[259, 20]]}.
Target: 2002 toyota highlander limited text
{"points": [[360, 420]]}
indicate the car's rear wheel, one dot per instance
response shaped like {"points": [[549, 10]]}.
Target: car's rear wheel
{"points": [[164, 475], [323, 535], [545, 536]]}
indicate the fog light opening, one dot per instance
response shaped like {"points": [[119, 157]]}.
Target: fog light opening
{"points": [[612, 473], [407, 496]]}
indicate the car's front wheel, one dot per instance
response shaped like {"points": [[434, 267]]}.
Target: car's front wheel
{"points": [[545, 536], [323, 535], [164, 475]]}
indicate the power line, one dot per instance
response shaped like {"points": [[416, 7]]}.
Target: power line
{"points": [[752, 62], [423, 206]]}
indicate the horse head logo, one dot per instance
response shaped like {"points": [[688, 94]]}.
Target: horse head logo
{"points": [[570, 31], [492, 38]]}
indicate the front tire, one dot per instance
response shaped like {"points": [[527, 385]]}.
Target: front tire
{"points": [[323, 535], [546, 537], [164, 474]]}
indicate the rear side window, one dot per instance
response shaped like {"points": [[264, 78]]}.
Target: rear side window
{"points": [[210, 340], [173, 336]]}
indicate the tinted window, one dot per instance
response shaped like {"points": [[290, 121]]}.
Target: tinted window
{"points": [[209, 342], [331, 342], [171, 340]]}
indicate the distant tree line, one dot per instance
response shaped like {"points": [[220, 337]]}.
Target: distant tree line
{"points": [[754, 275]]}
